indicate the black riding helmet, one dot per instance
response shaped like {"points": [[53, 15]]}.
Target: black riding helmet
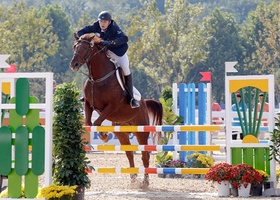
{"points": [[104, 15]]}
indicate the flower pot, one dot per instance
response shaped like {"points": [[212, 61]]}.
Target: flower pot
{"points": [[80, 193], [244, 192], [162, 175], [234, 191], [178, 176], [223, 189], [266, 185], [256, 189]]}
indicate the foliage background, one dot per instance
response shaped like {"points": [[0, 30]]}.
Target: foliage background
{"points": [[170, 40]]}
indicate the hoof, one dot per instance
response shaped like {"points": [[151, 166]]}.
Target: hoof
{"points": [[133, 178], [146, 182], [145, 185], [104, 137]]}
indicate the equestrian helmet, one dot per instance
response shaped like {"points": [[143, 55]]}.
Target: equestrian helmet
{"points": [[104, 15]]}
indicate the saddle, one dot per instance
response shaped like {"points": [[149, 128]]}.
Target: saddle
{"points": [[120, 78]]}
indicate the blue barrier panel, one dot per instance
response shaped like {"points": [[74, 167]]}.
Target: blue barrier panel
{"points": [[183, 113]]}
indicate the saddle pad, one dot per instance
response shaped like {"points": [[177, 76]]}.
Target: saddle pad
{"points": [[136, 94]]}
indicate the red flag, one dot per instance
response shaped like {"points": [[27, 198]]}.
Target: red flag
{"points": [[206, 76], [11, 69]]}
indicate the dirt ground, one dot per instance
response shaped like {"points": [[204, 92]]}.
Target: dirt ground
{"points": [[118, 186]]}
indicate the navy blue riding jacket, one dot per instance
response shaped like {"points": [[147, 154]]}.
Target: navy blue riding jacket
{"points": [[113, 33]]}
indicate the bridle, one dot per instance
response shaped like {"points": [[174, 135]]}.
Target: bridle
{"points": [[88, 56]]}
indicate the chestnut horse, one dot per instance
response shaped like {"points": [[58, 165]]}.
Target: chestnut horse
{"points": [[104, 94]]}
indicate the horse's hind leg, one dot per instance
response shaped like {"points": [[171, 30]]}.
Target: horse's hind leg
{"points": [[124, 140]]}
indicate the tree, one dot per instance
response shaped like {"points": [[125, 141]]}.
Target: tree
{"points": [[165, 46], [262, 32], [223, 44], [27, 37], [59, 62]]}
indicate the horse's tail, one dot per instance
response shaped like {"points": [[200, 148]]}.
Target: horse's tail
{"points": [[155, 112]]}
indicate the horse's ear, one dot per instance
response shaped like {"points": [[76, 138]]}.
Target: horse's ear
{"points": [[76, 36]]}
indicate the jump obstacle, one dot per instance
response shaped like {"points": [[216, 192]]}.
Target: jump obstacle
{"points": [[23, 133], [157, 148], [154, 170], [166, 128]]}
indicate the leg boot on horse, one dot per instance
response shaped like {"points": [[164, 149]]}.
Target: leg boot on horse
{"points": [[128, 81]]}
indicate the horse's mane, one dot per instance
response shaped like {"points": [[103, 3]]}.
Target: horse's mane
{"points": [[92, 38]]}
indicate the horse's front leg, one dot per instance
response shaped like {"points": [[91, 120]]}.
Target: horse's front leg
{"points": [[124, 140], [142, 139], [88, 114], [103, 115]]}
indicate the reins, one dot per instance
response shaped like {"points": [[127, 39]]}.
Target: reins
{"points": [[88, 59]]}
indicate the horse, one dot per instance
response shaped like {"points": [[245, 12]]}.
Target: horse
{"points": [[104, 94]]}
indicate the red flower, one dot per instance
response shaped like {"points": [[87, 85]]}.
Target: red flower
{"points": [[219, 172], [244, 174]]}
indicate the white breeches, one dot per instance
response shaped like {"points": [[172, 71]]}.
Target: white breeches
{"points": [[122, 61]]}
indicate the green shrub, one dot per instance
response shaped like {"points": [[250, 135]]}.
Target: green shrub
{"points": [[69, 156]]}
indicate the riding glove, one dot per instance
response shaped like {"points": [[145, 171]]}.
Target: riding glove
{"points": [[107, 42]]}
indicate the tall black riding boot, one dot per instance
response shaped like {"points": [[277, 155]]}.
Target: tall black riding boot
{"points": [[128, 81]]}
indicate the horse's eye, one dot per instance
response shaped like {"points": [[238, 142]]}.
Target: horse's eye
{"points": [[92, 44]]}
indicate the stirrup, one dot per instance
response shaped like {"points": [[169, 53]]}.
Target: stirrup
{"points": [[134, 103]]}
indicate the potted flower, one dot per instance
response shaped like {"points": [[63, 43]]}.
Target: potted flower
{"points": [[257, 187], [57, 192], [242, 177], [163, 159], [199, 160], [177, 164], [264, 176], [220, 174]]}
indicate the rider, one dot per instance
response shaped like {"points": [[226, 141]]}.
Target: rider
{"points": [[116, 41]]}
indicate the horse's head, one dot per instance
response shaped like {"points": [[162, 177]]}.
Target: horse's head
{"points": [[84, 49]]}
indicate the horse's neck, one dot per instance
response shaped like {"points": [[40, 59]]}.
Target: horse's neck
{"points": [[99, 66]]}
